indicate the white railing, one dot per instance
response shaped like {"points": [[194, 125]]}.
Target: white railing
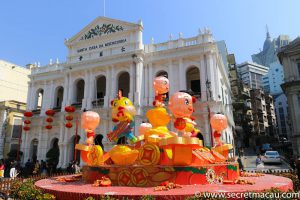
{"points": [[47, 68], [180, 42]]}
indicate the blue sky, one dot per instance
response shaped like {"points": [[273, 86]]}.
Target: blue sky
{"points": [[34, 30]]}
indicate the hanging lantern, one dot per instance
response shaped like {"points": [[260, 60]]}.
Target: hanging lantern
{"points": [[49, 119], [89, 121], [69, 118], [70, 109], [26, 128], [69, 125], [28, 114], [50, 112], [218, 122], [27, 121], [48, 127]]}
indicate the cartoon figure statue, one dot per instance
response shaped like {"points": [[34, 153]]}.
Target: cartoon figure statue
{"points": [[218, 123], [181, 106], [123, 113], [161, 88]]}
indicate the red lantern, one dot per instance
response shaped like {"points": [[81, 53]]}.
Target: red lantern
{"points": [[48, 127], [179, 124], [50, 112], [70, 109], [28, 114], [27, 121], [26, 128], [49, 119], [69, 125], [69, 118], [218, 122]]}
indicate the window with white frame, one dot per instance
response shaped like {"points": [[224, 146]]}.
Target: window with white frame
{"points": [[17, 128]]}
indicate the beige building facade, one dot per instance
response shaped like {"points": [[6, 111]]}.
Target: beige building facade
{"points": [[13, 82], [289, 57]]}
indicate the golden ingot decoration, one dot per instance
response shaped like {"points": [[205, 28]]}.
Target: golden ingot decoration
{"points": [[149, 155], [95, 155], [123, 155]]}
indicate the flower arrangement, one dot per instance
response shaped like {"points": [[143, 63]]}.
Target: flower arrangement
{"points": [[28, 191]]}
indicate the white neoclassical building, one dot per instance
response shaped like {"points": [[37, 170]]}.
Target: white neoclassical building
{"points": [[108, 55]]}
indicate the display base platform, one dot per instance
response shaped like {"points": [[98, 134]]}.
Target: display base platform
{"points": [[81, 190], [149, 176]]}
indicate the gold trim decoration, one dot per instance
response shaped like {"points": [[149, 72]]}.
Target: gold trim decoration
{"points": [[180, 140]]}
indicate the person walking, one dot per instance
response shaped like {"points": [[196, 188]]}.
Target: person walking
{"points": [[241, 166], [1, 169], [259, 162], [12, 172]]}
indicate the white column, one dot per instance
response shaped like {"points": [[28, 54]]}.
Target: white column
{"points": [[171, 78], [296, 112], [203, 79], [107, 89], [138, 81], [114, 81], [70, 90], [51, 97], [146, 84], [28, 101], [66, 91], [210, 71], [131, 82], [150, 85], [91, 90], [86, 89], [182, 84]]}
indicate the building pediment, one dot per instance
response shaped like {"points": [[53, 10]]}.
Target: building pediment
{"points": [[101, 27], [104, 37]]}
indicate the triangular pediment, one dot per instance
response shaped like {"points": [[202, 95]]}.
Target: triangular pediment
{"points": [[100, 27]]}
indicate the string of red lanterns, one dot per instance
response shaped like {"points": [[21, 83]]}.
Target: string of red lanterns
{"points": [[50, 113], [69, 117], [27, 122]]}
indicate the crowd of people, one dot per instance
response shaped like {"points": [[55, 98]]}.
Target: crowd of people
{"points": [[13, 168]]}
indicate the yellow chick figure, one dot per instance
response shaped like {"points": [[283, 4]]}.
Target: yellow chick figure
{"points": [[159, 119]]}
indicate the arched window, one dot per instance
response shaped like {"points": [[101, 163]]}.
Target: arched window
{"points": [[100, 90], [53, 153], [39, 99], [193, 80], [79, 91], [59, 95], [124, 83]]}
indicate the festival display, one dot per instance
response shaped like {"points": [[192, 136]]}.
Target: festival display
{"points": [[156, 157], [162, 155]]}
